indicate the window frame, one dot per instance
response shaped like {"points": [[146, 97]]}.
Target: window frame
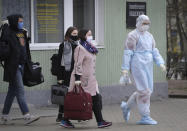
{"points": [[68, 21]]}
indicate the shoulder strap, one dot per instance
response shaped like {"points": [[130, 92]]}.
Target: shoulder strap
{"points": [[77, 58], [2, 64], [1, 31]]}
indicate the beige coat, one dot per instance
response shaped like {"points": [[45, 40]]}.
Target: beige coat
{"points": [[85, 66]]}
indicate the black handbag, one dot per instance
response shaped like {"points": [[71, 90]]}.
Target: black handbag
{"points": [[32, 74], [58, 93]]}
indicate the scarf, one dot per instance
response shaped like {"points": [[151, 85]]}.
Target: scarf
{"points": [[67, 54], [89, 47]]}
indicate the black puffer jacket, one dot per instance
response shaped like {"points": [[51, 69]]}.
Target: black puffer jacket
{"points": [[11, 64]]}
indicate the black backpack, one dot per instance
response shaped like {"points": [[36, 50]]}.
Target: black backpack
{"points": [[4, 47], [54, 65]]}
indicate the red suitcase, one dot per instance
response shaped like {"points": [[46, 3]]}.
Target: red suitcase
{"points": [[78, 105]]}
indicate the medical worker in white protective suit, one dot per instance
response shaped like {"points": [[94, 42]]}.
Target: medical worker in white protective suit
{"points": [[139, 54]]}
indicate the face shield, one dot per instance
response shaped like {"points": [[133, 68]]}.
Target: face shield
{"points": [[142, 23]]}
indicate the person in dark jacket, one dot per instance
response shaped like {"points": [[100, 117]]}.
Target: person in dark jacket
{"points": [[17, 39], [66, 63]]}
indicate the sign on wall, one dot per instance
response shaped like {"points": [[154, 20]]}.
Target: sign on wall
{"points": [[133, 10]]}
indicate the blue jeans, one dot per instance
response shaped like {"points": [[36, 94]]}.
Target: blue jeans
{"points": [[16, 89]]}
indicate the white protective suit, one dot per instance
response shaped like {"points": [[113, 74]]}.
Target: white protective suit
{"points": [[139, 54]]}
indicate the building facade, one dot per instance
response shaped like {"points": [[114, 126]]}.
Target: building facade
{"points": [[47, 20]]}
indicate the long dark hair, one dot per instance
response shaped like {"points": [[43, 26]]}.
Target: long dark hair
{"points": [[68, 32], [82, 34]]}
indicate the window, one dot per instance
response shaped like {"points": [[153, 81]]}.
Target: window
{"points": [[22, 7], [84, 14], [47, 20]]}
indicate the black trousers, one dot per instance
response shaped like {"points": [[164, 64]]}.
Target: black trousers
{"points": [[66, 83], [96, 107], [61, 110]]}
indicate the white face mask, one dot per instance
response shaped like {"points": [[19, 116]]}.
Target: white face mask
{"points": [[144, 28], [89, 39]]}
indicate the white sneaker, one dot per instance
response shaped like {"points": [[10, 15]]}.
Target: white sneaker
{"points": [[5, 120], [30, 119]]}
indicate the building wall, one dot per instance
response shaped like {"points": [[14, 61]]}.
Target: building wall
{"points": [[109, 58]]}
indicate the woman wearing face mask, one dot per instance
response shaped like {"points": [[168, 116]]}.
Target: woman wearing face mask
{"points": [[139, 54], [66, 63], [84, 73]]}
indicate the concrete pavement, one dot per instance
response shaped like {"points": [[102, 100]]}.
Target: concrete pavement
{"points": [[171, 115]]}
